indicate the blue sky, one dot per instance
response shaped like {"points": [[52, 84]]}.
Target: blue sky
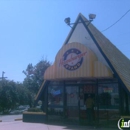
{"points": [[33, 29]]}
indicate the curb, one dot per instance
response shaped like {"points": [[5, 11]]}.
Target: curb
{"points": [[18, 119]]}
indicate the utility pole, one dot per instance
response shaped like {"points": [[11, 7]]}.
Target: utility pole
{"points": [[3, 76]]}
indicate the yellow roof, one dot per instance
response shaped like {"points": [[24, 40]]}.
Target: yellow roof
{"points": [[119, 63]]}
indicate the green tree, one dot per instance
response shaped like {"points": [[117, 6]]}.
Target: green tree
{"points": [[13, 94], [24, 95], [8, 95], [34, 75]]}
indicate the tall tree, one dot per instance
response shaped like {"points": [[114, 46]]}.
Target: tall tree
{"points": [[34, 75]]}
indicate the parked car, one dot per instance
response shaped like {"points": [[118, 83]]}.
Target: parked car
{"points": [[23, 107], [13, 112], [20, 109]]}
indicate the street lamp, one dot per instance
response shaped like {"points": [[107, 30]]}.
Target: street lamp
{"points": [[91, 17], [67, 21]]}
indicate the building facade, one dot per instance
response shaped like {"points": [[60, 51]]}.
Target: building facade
{"points": [[87, 64]]}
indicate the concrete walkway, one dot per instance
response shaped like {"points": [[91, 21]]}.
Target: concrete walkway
{"points": [[19, 125], [9, 123]]}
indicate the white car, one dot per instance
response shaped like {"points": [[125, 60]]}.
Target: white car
{"points": [[20, 109]]}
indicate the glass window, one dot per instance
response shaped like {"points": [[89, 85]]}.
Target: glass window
{"points": [[72, 95], [108, 101], [55, 95], [108, 96]]}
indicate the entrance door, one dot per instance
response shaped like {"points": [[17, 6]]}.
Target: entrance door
{"points": [[85, 91], [72, 102]]}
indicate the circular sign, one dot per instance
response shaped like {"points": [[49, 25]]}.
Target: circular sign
{"points": [[72, 59]]}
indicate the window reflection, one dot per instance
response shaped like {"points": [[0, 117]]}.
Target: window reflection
{"points": [[55, 95], [108, 96], [108, 101]]}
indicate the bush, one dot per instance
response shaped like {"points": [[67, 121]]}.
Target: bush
{"points": [[34, 110]]}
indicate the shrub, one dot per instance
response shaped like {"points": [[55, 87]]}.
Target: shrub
{"points": [[34, 110]]}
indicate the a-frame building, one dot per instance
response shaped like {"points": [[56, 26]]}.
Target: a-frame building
{"points": [[87, 64]]}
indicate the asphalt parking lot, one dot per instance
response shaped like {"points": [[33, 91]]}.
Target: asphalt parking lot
{"points": [[14, 122]]}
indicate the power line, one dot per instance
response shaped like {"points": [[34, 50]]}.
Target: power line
{"points": [[116, 21]]}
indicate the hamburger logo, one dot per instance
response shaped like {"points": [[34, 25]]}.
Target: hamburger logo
{"points": [[72, 59]]}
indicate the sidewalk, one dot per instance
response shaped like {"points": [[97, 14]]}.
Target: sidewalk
{"points": [[19, 125], [8, 123]]}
